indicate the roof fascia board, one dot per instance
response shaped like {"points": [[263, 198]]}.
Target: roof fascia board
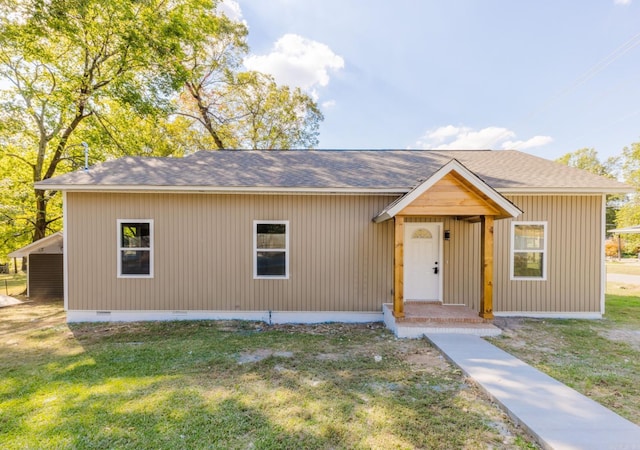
{"points": [[252, 189], [564, 191], [221, 190], [26, 250], [452, 166]]}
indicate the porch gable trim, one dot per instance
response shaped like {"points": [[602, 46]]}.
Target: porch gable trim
{"points": [[510, 210]]}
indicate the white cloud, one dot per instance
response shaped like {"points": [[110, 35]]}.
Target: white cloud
{"points": [[536, 141], [231, 9], [297, 61], [622, 2], [328, 104], [451, 137]]}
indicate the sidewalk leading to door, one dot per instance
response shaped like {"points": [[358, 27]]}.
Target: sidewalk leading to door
{"points": [[556, 415]]}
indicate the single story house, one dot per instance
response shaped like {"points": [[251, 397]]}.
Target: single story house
{"points": [[44, 266], [313, 236]]}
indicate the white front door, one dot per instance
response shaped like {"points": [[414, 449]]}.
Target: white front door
{"points": [[422, 266]]}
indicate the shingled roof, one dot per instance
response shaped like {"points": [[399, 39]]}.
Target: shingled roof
{"points": [[393, 171]]}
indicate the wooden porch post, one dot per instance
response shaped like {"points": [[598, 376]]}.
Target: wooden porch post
{"points": [[398, 267], [486, 270]]}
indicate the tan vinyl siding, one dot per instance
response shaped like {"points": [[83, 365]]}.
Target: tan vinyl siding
{"points": [[339, 259], [574, 233], [203, 253]]}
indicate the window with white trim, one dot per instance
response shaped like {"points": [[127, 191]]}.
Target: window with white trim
{"points": [[271, 249], [528, 250], [135, 248]]}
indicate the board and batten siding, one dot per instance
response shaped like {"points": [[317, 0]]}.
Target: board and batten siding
{"points": [[203, 252], [339, 259], [574, 256]]}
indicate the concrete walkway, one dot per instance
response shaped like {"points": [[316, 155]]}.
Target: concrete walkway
{"points": [[6, 300], [621, 278], [556, 415]]}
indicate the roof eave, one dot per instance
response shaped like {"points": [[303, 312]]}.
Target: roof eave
{"points": [[27, 249], [565, 190], [223, 189]]}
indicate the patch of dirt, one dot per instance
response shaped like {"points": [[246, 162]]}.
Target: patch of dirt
{"points": [[631, 337], [29, 316], [260, 354], [509, 323], [327, 328], [331, 357], [427, 359]]}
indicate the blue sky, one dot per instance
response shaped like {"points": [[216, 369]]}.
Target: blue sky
{"points": [[546, 77]]}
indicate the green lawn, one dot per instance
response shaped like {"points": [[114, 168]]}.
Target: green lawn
{"points": [[600, 358], [13, 284], [186, 385]]}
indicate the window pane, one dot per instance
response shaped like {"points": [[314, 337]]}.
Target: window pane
{"points": [[271, 264], [529, 237], [135, 262], [271, 235], [528, 265], [135, 235]]}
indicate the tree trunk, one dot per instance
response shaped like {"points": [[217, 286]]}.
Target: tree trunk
{"points": [[40, 226]]}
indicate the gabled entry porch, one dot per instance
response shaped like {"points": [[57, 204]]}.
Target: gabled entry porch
{"points": [[443, 241]]}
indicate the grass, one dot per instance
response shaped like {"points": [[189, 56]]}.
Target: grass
{"points": [[232, 385], [13, 284], [600, 358]]}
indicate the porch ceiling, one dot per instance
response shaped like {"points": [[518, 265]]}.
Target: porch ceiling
{"points": [[452, 191]]}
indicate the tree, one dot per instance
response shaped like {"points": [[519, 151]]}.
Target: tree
{"points": [[587, 159], [143, 77], [271, 116], [69, 62], [629, 213], [631, 164], [243, 109]]}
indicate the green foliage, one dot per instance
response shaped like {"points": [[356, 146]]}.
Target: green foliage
{"points": [[127, 77], [587, 159], [631, 164]]}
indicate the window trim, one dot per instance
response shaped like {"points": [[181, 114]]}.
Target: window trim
{"points": [[120, 249], [544, 251], [256, 249]]}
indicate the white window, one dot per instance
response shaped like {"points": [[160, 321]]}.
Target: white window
{"points": [[271, 249], [528, 250], [135, 248]]}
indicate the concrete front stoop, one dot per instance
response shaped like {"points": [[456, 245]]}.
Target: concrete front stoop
{"points": [[433, 318]]}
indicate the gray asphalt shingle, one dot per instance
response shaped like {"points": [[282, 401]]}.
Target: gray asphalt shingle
{"points": [[325, 169]]}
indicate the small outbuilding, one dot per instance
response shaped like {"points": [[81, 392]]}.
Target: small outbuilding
{"points": [[45, 266]]}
